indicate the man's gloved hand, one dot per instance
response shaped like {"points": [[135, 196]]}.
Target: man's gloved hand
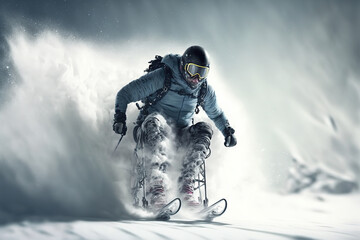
{"points": [[230, 139], [119, 125]]}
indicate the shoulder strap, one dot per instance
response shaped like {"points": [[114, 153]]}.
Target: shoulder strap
{"points": [[201, 97], [160, 93]]}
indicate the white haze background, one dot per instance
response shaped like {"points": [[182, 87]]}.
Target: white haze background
{"points": [[290, 89]]}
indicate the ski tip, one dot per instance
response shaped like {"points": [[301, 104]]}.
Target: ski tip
{"points": [[215, 210], [178, 208], [169, 210], [178, 199]]}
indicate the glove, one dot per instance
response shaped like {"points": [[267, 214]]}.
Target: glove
{"points": [[230, 139], [119, 125]]}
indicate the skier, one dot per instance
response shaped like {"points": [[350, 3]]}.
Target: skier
{"points": [[172, 93]]}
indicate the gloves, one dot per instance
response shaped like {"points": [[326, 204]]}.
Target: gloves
{"points": [[230, 139], [119, 125]]}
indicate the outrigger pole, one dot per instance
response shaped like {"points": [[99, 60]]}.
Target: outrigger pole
{"points": [[122, 135]]}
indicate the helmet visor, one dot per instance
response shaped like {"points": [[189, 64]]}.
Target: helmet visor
{"points": [[194, 70]]}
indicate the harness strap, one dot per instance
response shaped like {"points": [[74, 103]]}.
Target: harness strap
{"points": [[160, 93], [183, 93], [201, 97]]}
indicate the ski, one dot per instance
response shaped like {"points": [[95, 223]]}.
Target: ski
{"points": [[215, 210], [168, 210]]}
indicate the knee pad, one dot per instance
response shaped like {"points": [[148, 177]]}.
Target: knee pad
{"points": [[153, 130], [154, 120], [201, 134], [201, 129]]}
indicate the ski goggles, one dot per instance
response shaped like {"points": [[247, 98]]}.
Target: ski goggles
{"points": [[193, 69]]}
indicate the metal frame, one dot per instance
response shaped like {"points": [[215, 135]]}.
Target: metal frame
{"points": [[201, 185], [140, 183]]}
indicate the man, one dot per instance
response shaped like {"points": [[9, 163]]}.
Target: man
{"points": [[172, 93]]}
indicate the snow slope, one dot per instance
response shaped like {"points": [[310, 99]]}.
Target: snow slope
{"points": [[294, 217]]}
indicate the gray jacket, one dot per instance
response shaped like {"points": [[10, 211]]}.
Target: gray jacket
{"points": [[177, 108]]}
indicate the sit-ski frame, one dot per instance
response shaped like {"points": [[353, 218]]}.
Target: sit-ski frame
{"points": [[140, 183]]}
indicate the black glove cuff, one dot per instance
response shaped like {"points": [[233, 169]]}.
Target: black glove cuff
{"points": [[119, 117], [228, 131]]}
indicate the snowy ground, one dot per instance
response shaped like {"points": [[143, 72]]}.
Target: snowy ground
{"points": [[272, 217]]}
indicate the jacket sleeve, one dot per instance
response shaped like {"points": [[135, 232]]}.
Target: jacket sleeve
{"points": [[213, 111], [139, 89]]}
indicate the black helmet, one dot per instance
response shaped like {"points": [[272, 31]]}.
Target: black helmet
{"points": [[197, 55], [195, 65]]}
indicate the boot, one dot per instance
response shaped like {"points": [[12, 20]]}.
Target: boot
{"points": [[187, 194], [157, 195]]}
